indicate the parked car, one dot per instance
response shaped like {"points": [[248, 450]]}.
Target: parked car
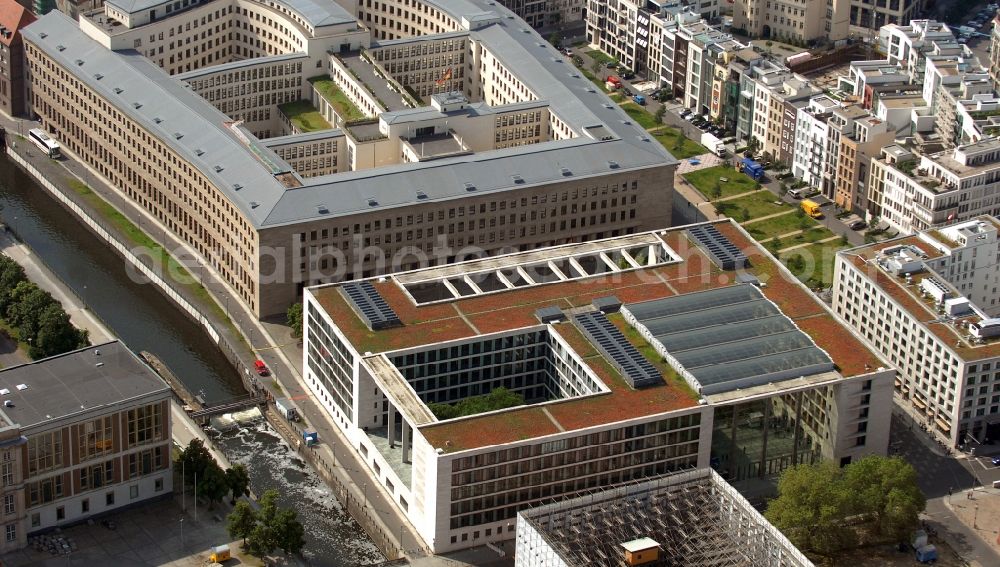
{"points": [[611, 65], [857, 225], [685, 113], [996, 461]]}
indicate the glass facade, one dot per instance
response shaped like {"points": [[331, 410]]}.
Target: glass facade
{"points": [[331, 362], [761, 438]]}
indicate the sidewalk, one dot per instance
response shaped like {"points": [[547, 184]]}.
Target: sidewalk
{"points": [[278, 351], [39, 273]]}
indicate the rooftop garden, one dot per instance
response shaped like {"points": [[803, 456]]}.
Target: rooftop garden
{"points": [[498, 399], [304, 116], [940, 237], [983, 114], [338, 100], [907, 166]]}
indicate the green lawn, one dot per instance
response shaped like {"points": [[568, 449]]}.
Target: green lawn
{"points": [[593, 79], [705, 179], [688, 148], [304, 116], [640, 115], [812, 235], [813, 264], [759, 204], [342, 105], [779, 225], [598, 55]]}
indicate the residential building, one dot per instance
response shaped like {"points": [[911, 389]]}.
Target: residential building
{"points": [[13, 87], [798, 20], [908, 45], [995, 54], [692, 518], [460, 150], [977, 118], [869, 79], [83, 433], [662, 364], [928, 303], [811, 135], [861, 137], [913, 192], [774, 86], [947, 82], [729, 69]]}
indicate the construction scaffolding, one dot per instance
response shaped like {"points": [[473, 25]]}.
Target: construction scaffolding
{"points": [[697, 518]]}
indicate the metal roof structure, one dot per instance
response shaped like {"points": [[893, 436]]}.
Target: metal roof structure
{"points": [[191, 126], [372, 307], [723, 252], [316, 12], [729, 338], [633, 366]]}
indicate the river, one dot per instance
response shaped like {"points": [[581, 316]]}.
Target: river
{"points": [[146, 320]]}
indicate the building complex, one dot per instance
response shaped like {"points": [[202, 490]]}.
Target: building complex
{"points": [[81, 434], [928, 303], [635, 356], [438, 126]]}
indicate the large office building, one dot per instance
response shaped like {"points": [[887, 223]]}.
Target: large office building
{"points": [[447, 125], [929, 304], [81, 434], [635, 356], [693, 518]]}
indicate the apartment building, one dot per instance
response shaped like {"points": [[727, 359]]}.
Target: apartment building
{"points": [[867, 80], [861, 137], [928, 303], [799, 20], [83, 433], [13, 88], [782, 383], [559, 162], [977, 118], [915, 192], [811, 135], [994, 68], [773, 86], [947, 81], [543, 13], [908, 45]]}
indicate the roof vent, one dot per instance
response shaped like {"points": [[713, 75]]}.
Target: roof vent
{"points": [[613, 164], [565, 171], [22, 387], [178, 135], [8, 404], [517, 179], [98, 76], [322, 209], [61, 47], [99, 364], [469, 186], [421, 195], [137, 105], [372, 202], [97, 352], [254, 204], [79, 62], [43, 35], [158, 120], [237, 186], [609, 106], [218, 169], [4, 392], [199, 152], [118, 90]]}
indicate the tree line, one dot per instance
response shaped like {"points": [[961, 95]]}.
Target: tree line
{"points": [[37, 318], [262, 530]]}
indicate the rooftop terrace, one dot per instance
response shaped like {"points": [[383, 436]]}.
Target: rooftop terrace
{"points": [[684, 268]]}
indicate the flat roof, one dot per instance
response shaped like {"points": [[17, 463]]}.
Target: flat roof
{"points": [[922, 309], [682, 268], [166, 107], [77, 382]]}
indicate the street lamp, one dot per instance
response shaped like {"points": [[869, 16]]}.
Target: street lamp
{"points": [[365, 491]]}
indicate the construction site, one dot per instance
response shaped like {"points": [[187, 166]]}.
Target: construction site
{"points": [[693, 518]]}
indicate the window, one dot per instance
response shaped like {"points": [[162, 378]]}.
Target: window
{"points": [[44, 452], [95, 438], [10, 531], [133, 491], [85, 506], [144, 424], [7, 473], [109, 499], [60, 513], [36, 520], [158, 485], [8, 504]]}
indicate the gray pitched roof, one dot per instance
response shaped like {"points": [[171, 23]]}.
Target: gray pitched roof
{"points": [[317, 12], [167, 107]]}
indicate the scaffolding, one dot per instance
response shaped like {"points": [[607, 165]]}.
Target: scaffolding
{"points": [[697, 518]]}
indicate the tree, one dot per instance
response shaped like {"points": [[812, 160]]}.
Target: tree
{"points": [[238, 480], [555, 38], [241, 521], [782, 189], [194, 460], [28, 301], [678, 142], [262, 539], [213, 485], [660, 112], [810, 508], [886, 493], [716, 190], [595, 67], [56, 334], [745, 214], [288, 531], [11, 274], [294, 316]]}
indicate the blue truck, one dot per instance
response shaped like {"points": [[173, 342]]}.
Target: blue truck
{"points": [[751, 168], [639, 99]]}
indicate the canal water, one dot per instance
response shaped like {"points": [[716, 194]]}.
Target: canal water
{"points": [[146, 320]]}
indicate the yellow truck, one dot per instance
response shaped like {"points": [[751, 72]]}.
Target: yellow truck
{"points": [[812, 208], [219, 554]]}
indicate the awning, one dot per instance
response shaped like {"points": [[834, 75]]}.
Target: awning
{"points": [[919, 403], [943, 425]]}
